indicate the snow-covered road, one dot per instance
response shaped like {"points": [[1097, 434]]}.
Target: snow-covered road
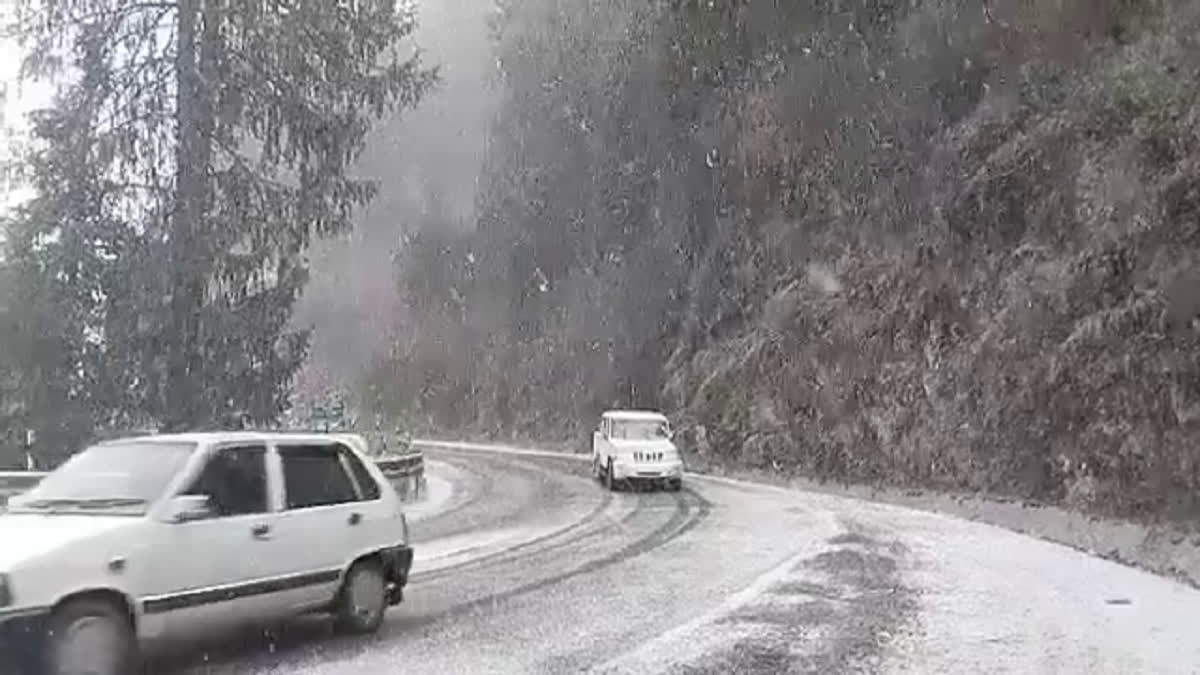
{"points": [[527, 566]]}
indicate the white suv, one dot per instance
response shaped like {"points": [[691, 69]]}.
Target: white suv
{"points": [[140, 540], [635, 446]]}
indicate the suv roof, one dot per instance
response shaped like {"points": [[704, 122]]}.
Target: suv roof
{"points": [[643, 415]]}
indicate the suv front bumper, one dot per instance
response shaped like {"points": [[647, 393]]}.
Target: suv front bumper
{"points": [[648, 471]]}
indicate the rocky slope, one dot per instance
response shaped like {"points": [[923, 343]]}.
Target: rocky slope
{"points": [[873, 242]]}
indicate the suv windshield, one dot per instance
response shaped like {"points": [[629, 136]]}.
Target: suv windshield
{"points": [[125, 476], [639, 430]]}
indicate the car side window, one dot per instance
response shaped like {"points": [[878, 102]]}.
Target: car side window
{"points": [[314, 475], [235, 481], [368, 487]]}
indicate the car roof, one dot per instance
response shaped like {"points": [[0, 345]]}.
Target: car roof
{"points": [[205, 438], [636, 415]]}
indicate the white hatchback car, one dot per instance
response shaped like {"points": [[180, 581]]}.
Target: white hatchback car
{"points": [[141, 540], [635, 446]]}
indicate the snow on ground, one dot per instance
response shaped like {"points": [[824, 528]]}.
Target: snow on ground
{"points": [[732, 577], [907, 591], [993, 601], [440, 480], [1172, 550]]}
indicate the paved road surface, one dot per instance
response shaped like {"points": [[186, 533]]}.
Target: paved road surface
{"points": [[527, 566]]}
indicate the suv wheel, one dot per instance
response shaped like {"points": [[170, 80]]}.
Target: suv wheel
{"points": [[610, 482], [90, 637], [363, 599]]}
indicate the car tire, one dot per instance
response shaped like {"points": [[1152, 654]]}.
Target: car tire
{"points": [[362, 600], [675, 485], [91, 636]]}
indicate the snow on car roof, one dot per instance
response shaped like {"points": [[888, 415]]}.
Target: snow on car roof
{"points": [[210, 437], [642, 415]]}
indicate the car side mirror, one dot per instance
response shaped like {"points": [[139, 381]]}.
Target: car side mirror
{"points": [[188, 508]]}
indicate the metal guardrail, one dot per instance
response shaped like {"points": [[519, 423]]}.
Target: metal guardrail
{"points": [[12, 482], [407, 473], [15, 482]]}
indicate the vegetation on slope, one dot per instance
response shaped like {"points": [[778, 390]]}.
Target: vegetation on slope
{"points": [[948, 244]]}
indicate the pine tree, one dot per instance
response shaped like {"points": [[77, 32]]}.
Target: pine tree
{"points": [[207, 142]]}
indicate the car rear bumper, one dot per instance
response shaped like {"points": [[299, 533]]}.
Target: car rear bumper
{"points": [[397, 564]]}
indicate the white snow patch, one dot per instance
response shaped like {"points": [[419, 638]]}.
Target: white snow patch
{"points": [[824, 279], [440, 488], [704, 634]]}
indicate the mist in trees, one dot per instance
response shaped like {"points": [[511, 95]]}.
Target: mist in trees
{"points": [[426, 164], [915, 243]]}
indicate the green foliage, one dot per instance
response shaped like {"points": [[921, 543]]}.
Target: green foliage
{"points": [[194, 149], [941, 244]]}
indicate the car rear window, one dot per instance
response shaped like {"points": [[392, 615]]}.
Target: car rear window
{"points": [[315, 476]]}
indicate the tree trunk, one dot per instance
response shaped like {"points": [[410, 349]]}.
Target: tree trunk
{"points": [[189, 258]]}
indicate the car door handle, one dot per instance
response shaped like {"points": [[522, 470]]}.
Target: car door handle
{"points": [[261, 531], [355, 518]]}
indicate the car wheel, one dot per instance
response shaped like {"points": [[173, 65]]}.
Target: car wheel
{"points": [[90, 637], [675, 485], [363, 599], [609, 481]]}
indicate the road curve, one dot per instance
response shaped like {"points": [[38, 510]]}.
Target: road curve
{"points": [[530, 567]]}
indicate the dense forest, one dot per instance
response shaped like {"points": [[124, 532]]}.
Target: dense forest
{"points": [[945, 244]]}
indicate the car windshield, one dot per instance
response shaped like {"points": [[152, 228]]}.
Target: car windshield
{"points": [[639, 430], [126, 476]]}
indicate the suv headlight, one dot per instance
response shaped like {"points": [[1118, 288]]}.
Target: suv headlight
{"points": [[6, 596]]}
